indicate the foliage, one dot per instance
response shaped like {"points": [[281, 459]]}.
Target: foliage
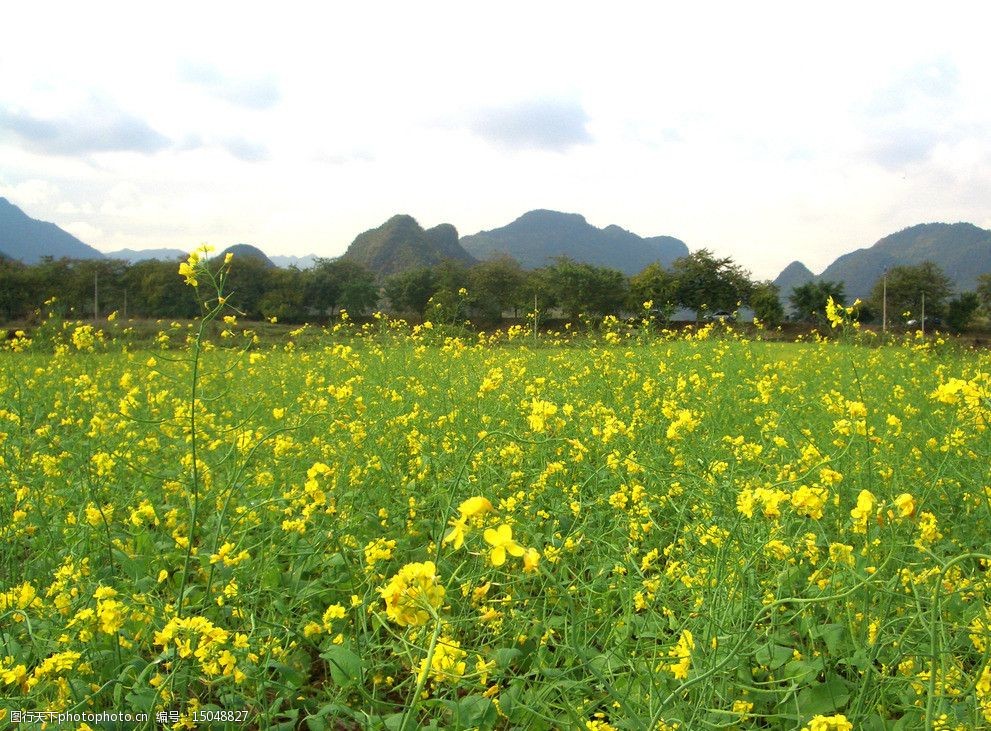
{"points": [[411, 291], [809, 300], [708, 283], [386, 529], [495, 286], [906, 286], [334, 283], [656, 285], [580, 287], [984, 292], [961, 310], [765, 301]]}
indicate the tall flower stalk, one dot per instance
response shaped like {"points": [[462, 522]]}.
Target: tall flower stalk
{"points": [[196, 270]]}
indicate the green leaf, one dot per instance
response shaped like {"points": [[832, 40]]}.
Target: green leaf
{"points": [[834, 636], [773, 656], [476, 710], [824, 698], [345, 666]]}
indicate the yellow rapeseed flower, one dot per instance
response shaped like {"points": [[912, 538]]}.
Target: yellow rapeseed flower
{"points": [[838, 722], [413, 594], [501, 540]]}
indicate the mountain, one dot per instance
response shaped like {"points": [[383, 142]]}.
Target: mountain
{"points": [[247, 251], [962, 250], [136, 255], [401, 244], [300, 262], [538, 237], [28, 240], [794, 275]]}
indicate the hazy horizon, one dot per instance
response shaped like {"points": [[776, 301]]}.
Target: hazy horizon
{"points": [[769, 134]]}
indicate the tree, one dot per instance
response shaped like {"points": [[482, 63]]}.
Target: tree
{"points": [[155, 289], [765, 301], [808, 301], [583, 288], [283, 297], [495, 286], [906, 286], [654, 284], [705, 282], [248, 281], [14, 290], [339, 283], [538, 290], [960, 311], [984, 292], [410, 291]]}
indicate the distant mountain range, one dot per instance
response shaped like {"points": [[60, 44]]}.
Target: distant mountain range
{"points": [[135, 255], [300, 262], [28, 240], [961, 250], [538, 237]]}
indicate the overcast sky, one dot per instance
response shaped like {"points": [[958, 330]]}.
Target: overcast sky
{"points": [[768, 132]]}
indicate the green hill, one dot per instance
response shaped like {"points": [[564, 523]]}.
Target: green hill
{"points": [[401, 244], [794, 275], [28, 240], [962, 250], [538, 237], [247, 251]]}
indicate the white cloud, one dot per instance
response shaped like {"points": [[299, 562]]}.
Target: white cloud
{"points": [[767, 133]]}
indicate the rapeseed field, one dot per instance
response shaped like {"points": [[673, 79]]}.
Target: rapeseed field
{"points": [[395, 527]]}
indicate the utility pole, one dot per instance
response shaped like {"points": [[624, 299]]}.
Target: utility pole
{"points": [[96, 294], [535, 318], [923, 313], [884, 302]]}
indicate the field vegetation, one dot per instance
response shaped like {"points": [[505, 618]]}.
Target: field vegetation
{"points": [[395, 527]]}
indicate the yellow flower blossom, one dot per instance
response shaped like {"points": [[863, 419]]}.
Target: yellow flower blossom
{"points": [[413, 594], [501, 540]]}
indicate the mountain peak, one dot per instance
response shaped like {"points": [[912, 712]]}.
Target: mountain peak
{"points": [[536, 238], [28, 240], [401, 244], [247, 251], [546, 216], [961, 250]]}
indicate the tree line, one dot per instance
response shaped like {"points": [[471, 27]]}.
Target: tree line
{"points": [[903, 295], [452, 291]]}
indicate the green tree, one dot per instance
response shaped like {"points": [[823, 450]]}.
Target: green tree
{"points": [[657, 285], [765, 301], [538, 291], [339, 283], [496, 285], [583, 288], [706, 282], [248, 281], [283, 298], [906, 286], [155, 289], [960, 311], [808, 301], [15, 290], [410, 291], [984, 292]]}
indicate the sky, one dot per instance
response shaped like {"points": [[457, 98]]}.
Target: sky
{"points": [[765, 131]]}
